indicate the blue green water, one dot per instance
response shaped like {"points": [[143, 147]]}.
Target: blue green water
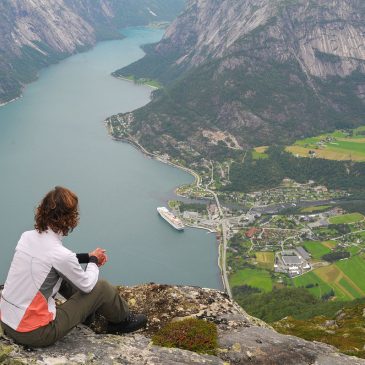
{"points": [[54, 135]]}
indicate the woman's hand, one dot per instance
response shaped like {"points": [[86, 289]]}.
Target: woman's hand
{"points": [[100, 254]]}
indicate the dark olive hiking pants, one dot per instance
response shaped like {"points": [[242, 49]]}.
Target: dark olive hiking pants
{"points": [[104, 299]]}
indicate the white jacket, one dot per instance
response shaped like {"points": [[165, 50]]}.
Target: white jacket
{"points": [[39, 264]]}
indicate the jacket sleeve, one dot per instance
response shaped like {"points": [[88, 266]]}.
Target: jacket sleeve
{"points": [[83, 258], [69, 268]]}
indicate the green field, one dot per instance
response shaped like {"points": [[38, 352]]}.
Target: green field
{"points": [[354, 268], [265, 259], [333, 146], [311, 278], [317, 208], [316, 249], [259, 153], [329, 244], [149, 82], [345, 278], [353, 250], [254, 277], [332, 276], [345, 284], [347, 218], [259, 156]]}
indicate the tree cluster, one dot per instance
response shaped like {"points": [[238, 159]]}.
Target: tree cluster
{"points": [[268, 173], [335, 256]]}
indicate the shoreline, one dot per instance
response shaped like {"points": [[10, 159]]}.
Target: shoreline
{"points": [[135, 83], [197, 179], [11, 101], [200, 227], [76, 51]]}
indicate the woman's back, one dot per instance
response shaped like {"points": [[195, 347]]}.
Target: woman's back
{"points": [[27, 299]]}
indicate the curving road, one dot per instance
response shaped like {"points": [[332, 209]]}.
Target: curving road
{"points": [[222, 260]]}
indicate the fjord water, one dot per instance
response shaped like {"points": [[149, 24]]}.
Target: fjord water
{"points": [[55, 135]]}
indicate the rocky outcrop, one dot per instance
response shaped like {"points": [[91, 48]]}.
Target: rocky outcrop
{"points": [[242, 338], [38, 32], [265, 71]]}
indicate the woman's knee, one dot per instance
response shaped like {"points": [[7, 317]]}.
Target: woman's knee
{"points": [[106, 288], [103, 284]]}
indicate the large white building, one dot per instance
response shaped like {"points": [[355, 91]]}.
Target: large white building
{"points": [[294, 262]]}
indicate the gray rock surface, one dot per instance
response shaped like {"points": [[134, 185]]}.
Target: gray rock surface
{"points": [[334, 28], [242, 338], [83, 346]]}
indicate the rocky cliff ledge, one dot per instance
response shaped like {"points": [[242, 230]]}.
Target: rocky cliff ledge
{"points": [[242, 338]]}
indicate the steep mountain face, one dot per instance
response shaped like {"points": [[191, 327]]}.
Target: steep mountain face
{"points": [[38, 32], [252, 72]]}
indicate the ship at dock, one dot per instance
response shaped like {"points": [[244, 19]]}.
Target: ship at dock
{"points": [[170, 218]]}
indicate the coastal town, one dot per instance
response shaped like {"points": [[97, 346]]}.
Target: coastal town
{"points": [[282, 242], [282, 235], [289, 235]]}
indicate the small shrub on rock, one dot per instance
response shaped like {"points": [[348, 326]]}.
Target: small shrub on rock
{"points": [[189, 334]]}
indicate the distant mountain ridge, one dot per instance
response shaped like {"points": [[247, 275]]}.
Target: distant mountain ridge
{"points": [[246, 73], [36, 33]]}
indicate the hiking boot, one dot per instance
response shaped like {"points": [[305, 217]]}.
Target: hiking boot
{"points": [[133, 323]]}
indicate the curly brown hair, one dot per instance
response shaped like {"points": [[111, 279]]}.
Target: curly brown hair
{"points": [[58, 211]]}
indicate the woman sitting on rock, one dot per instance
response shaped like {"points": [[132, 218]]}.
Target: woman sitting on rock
{"points": [[42, 267]]}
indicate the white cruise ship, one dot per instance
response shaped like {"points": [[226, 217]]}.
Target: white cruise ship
{"points": [[170, 218]]}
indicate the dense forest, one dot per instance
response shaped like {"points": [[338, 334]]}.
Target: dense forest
{"points": [[268, 173]]}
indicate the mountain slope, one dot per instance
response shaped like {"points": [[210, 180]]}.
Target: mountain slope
{"points": [[239, 74], [38, 32], [343, 330]]}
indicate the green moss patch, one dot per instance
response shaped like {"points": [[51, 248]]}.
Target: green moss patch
{"points": [[189, 334]]}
